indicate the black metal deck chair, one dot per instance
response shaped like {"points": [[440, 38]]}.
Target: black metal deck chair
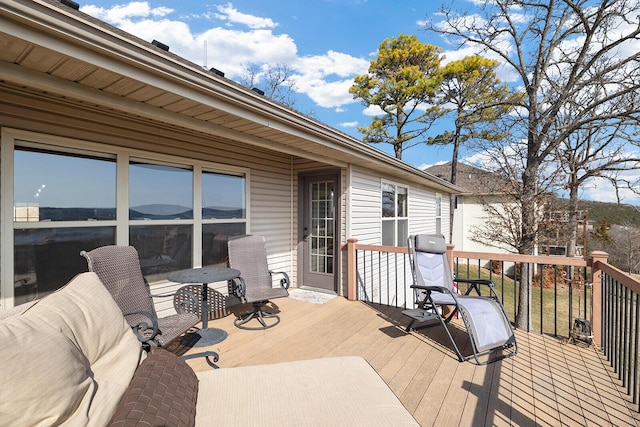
{"points": [[485, 320]]}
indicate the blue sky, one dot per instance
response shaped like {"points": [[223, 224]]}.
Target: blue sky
{"points": [[325, 42]]}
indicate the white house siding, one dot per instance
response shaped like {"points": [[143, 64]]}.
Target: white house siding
{"points": [[469, 216], [364, 206], [272, 192], [390, 284]]}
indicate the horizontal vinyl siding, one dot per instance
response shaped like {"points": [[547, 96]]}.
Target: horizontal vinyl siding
{"points": [[269, 173], [365, 207], [422, 209]]}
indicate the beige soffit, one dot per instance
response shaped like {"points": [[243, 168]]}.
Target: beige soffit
{"points": [[58, 30]]}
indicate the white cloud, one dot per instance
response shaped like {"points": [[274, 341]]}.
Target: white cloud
{"points": [[325, 78], [233, 16], [373, 111], [349, 124], [124, 13], [227, 49], [602, 190], [423, 166]]}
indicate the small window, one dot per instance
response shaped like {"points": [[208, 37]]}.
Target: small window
{"points": [[157, 194], [395, 215], [223, 196], [438, 214]]}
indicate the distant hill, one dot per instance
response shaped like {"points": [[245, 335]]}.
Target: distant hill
{"points": [[139, 212], [613, 213]]}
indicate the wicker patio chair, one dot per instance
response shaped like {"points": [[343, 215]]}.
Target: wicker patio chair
{"points": [[118, 267], [485, 320], [255, 284]]}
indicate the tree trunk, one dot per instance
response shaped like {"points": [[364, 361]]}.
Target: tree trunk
{"points": [[572, 223], [454, 177], [528, 242]]}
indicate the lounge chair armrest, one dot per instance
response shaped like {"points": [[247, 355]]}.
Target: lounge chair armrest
{"points": [[284, 282], [477, 281], [143, 326], [474, 285], [210, 356], [442, 289]]}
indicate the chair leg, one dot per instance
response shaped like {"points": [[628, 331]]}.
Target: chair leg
{"points": [[259, 315]]}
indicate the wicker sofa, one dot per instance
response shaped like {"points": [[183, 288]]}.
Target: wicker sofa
{"points": [[72, 359]]}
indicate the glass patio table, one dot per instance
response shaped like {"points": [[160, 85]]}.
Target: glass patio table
{"points": [[205, 275]]}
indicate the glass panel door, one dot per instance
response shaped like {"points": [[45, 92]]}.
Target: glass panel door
{"points": [[322, 227]]}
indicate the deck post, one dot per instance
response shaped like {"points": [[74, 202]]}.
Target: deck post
{"points": [[352, 269], [597, 257], [450, 247]]}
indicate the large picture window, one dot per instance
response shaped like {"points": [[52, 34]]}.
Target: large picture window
{"points": [[63, 203], [395, 217], [177, 213]]}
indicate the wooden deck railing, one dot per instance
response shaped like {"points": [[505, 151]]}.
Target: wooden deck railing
{"points": [[563, 290], [620, 319], [562, 287]]}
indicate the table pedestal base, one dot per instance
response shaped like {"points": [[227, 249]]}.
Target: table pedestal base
{"points": [[204, 337]]}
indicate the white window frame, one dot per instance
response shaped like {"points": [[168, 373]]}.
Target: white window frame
{"points": [[10, 138], [397, 241], [438, 213]]}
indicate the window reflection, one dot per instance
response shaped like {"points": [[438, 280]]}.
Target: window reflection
{"points": [[46, 259], [162, 248], [50, 186], [223, 196], [160, 192], [214, 242]]}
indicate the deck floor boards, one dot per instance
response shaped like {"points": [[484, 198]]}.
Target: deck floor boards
{"points": [[549, 382]]}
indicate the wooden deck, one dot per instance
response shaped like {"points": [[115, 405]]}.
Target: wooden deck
{"points": [[549, 383]]}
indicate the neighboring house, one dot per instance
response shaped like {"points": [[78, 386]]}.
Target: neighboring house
{"points": [[109, 139], [481, 188], [554, 237]]}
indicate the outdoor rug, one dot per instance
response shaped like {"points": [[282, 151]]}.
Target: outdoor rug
{"points": [[310, 296]]}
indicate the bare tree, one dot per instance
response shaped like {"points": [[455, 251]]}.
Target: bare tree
{"points": [[277, 82], [558, 50], [601, 150], [623, 248]]}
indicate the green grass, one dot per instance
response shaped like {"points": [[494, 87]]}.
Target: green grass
{"points": [[555, 304]]}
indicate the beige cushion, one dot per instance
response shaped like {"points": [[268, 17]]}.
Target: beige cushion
{"points": [[44, 376], [342, 391], [71, 354]]}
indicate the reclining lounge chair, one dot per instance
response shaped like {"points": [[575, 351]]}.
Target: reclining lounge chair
{"points": [[485, 320]]}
